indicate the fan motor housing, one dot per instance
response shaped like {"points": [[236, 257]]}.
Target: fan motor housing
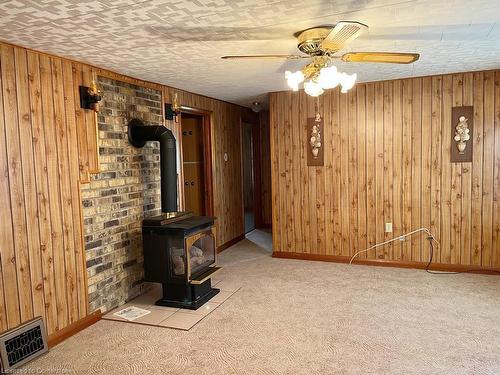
{"points": [[310, 40]]}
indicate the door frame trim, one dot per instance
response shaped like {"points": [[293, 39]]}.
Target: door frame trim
{"points": [[208, 158]]}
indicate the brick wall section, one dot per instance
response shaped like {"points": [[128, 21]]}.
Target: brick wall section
{"points": [[117, 199]]}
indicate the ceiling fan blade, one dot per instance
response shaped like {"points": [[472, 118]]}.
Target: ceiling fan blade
{"points": [[256, 57], [442, 32], [381, 57], [344, 32]]}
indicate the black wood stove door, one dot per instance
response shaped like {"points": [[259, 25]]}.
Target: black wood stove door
{"points": [[200, 251]]}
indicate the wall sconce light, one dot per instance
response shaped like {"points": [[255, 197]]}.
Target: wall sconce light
{"points": [[172, 110], [90, 96]]}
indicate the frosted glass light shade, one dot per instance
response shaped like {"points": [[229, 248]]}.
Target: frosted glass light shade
{"points": [[294, 79], [347, 81], [329, 77], [318, 81], [313, 88]]}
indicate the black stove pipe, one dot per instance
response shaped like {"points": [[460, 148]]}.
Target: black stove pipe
{"points": [[138, 135]]}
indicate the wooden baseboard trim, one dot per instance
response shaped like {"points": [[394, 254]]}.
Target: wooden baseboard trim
{"points": [[74, 328], [388, 263], [230, 243]]}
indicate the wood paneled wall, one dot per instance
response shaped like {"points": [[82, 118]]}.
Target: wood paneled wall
{"points": [[387, 159], [47, 145], [227, 184]]}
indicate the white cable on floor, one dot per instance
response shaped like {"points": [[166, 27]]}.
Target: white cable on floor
{"points": [[400, 238]]}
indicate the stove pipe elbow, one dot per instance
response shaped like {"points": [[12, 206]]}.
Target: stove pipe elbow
{"points": [[138, 135]]}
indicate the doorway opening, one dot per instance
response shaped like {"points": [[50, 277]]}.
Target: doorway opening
{"points": [[197, 162], [248, 155], [256, 177]]}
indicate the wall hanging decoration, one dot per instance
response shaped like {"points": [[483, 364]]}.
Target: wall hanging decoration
{"points": [[315, 140], [314, 135], [461, 133]]}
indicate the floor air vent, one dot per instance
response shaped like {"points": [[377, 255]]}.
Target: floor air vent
{"points": [[22, 344]]}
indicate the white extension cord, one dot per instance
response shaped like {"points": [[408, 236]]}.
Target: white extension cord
{"points": [[398, 238]]}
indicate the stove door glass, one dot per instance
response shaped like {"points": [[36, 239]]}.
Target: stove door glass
{"points": [[202, 253]]}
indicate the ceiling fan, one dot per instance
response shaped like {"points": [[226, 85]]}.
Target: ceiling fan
{"points": [[321, 45]]}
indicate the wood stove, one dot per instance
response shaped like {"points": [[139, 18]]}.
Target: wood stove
{"points": [[180, 254], [179, 248]]}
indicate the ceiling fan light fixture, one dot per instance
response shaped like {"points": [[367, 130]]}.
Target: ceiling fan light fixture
{"points": [[294, 79], [313, 88], [347, 81], [329, 77], [321, 44], [320, 79]]}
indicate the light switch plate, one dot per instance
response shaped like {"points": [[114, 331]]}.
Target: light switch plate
{"points": [[388, 227]]}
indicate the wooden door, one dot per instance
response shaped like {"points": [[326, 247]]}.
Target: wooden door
{"points": [[192, 152]]}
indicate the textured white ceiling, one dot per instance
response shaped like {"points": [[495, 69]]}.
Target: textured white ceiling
{"points": [[179, 43]]}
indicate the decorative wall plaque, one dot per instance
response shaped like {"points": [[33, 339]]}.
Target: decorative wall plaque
{"points": [[461, 134], [315, 154]]}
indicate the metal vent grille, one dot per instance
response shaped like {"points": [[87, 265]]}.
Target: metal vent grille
{"points": [[311, 48], [342, 33], [22, 344]]}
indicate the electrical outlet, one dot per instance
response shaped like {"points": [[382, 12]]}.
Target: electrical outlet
{"points": [[388, 227]]}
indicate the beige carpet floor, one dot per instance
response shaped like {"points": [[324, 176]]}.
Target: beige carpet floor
{"points": [[300, 317]]}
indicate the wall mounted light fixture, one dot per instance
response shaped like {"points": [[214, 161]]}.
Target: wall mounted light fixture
{"points": [[172, 110], [90, 96]]}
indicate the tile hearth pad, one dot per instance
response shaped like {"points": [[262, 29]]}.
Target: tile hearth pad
{"points": [[169, 317]]}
